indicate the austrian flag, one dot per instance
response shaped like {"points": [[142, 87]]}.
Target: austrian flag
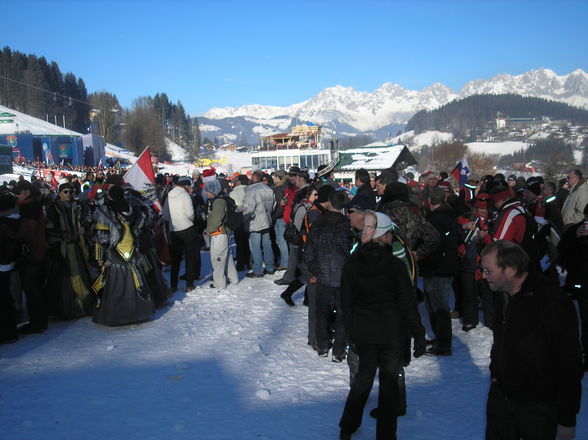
{"points": [[461, 172], [141, 177]]}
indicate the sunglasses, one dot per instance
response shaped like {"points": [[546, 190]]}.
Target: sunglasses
{"points": [[67, 191], [314, 194]]}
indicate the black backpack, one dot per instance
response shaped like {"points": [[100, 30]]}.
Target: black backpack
{"points": [[232, 219]]}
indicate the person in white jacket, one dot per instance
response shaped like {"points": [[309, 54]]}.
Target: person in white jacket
{"points": [[573, 208], [178, 212], [259, 203]]}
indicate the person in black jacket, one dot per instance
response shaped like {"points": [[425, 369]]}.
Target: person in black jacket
{"points": [[380, 313], [573, 257], [364, 187], [535, 362], [439, 269], [11, 239], [326, 249]]}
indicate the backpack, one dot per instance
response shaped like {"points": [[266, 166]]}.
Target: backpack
{"points": [[291, 234], [232, 219], [530, 241]]}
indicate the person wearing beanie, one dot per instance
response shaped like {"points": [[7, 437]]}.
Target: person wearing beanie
{"points": [[223, 265], [467, 286], [380, 314], [178, 212], [68, 256]]}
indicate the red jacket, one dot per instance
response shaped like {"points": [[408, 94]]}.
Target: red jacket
{"points": [[289, 192]]}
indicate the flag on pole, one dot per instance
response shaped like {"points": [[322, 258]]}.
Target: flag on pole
{"points": [[50, 159], [141, 177], [461, 172]]}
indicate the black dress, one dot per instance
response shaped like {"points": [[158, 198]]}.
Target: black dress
{"points": [[123, 292]]}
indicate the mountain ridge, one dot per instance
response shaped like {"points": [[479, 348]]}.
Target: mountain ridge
{"points": [[348, 111]]}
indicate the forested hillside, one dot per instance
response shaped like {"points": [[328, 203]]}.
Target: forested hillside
{"points": [[479, 111], [37, 87], [34, 86]]}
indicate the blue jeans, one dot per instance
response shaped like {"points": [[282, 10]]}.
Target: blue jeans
{"points": [[280, 227], [257, 240], [437, 291]]}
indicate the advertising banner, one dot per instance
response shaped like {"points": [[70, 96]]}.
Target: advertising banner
{"points": [[5, 159]]}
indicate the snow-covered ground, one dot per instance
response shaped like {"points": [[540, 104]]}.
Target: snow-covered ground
{"points": [[230, 364], [507, 147], [429, 138]]}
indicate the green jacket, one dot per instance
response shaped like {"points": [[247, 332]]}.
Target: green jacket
{"points": [[216, 216]]}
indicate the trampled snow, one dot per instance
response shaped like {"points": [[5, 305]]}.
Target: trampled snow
{"points": [[229, 364]]}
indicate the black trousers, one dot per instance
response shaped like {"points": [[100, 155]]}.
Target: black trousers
{"points": [[469, 298], [8, 317], [388, 359], [490, 302], [507, 419], [328, 299], [242, 243], [32, 276], [184, 243]]}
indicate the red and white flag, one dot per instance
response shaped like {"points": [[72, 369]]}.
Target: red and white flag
{"points": [[141, 177]]}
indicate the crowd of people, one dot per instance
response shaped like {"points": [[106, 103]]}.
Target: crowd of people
{"points": [[366, 256]]}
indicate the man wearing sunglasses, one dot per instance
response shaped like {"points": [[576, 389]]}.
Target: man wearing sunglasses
{"points": [[68, 272]]}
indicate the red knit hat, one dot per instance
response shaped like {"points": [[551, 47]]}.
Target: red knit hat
{"points": [[208, 175], [482, 200], [445, 186]]}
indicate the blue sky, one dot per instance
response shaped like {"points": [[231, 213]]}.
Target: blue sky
{"points": [[231, 53]]}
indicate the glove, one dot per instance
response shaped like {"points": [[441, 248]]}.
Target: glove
{"points": [[420, 346]]}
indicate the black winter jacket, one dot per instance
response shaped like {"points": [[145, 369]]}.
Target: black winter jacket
{"points": [[378, 301], [444, 261], [573, 256], [327, 247], [536, 353]]}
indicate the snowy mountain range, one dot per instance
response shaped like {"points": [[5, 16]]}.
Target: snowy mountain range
{"points": [[350, 112]]}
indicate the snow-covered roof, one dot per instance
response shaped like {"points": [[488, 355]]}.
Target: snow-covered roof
{"points": [[374, 156], [13, 122]]}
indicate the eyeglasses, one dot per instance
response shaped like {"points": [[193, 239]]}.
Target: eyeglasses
{"points": [[314, 194], [67, 191], [485, 270]]}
